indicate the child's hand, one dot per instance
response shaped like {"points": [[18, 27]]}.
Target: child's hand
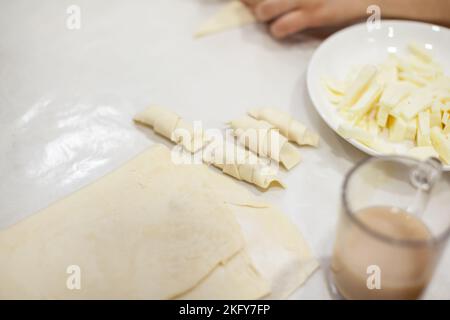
{"points": [[291, 16]]}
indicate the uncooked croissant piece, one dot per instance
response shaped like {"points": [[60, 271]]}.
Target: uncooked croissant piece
{"points": [[234, 14], [234, 160], [264, 139], [168, 124], [288, 126]]}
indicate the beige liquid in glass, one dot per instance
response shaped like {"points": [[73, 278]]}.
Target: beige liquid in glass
{"points": [[405, 269]]}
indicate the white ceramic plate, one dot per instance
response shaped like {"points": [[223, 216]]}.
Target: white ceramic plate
{"points": [[356, 45]]}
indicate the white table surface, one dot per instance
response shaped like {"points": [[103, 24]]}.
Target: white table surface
{"points": [[67, 98]]}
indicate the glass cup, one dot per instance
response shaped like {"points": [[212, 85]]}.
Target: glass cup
{"points": [[394, 223]]}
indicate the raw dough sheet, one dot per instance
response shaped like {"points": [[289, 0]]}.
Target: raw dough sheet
{"points": [[155, 230]]}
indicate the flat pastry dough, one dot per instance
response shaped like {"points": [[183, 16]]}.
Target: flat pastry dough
{"points": [[237, 279], [234, 14], [153, 229], [264, 139], [288, 126], [168, 124], [234, 160], [277, 249], [144, 231]]}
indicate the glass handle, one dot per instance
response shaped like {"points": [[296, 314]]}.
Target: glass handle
{"points": [[423, 178]]}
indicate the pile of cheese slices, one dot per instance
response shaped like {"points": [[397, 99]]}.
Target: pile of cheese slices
{"points": [[400, 106]]}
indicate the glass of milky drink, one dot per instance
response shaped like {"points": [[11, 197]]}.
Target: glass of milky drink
{"points": [[394, 223]]}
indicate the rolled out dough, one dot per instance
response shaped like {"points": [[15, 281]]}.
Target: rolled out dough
{"points": [[277, 249], [153, 229], [237, 279], [144, 231], [234, 14]]}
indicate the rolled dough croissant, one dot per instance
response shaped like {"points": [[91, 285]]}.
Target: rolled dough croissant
{"points": [[288, 126], [168, 124], [242, 164], [264, 139]]}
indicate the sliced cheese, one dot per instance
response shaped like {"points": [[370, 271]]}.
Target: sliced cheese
{"points": [[349, 132], [383, 115], [435, 115], [445, 118], [379, 145], [395, 92], [446, 129], [357, 87], [397, 129], [334, 86], [419, 101], [366, 101], [420, 52], [411, 130], [423, 131], [441, 143]]}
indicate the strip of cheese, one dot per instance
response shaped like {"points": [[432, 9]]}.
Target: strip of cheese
{"points": [[435, 115], [168, 124], [234, 14], [366, 101], [292, 129], [446, 129], [395, 92], [379, 145], [382, 115], [264, 139], [413, 78], [445, 118], [372, 127], [411, 130], [420, 52], [334, 86], [357, 133], [423, 130], [357, 87], [441, 144], [418, 101], [242, 164], [365, 137], [397, 129]]}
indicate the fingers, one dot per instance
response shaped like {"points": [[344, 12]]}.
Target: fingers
{"points": [[290, 23], [270, 9], [252, 2]]}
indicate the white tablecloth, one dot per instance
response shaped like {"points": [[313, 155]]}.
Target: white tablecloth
{"points": [[67, 98]]}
